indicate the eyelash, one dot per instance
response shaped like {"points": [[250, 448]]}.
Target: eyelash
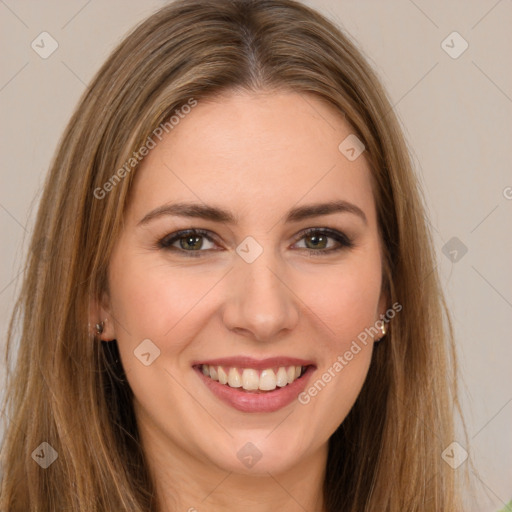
{"points": [[343, 240]]}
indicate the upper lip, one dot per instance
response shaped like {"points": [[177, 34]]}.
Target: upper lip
{"points": [[257, 364]]}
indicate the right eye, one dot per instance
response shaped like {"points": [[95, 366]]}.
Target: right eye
{"points": [[188, 240]]}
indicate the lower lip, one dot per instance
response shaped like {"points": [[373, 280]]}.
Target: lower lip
{"points": [[268, 401]]}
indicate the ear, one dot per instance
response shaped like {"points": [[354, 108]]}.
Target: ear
{"points": [[385, 298], [382, 308], [383, 304], [100, 315]]}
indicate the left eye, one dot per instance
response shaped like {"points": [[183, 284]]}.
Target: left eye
{"points": [[319, 240], [193, 241]]}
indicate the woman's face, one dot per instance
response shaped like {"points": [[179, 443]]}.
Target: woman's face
{"points": [[250, 171]]}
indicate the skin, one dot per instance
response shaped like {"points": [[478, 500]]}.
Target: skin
{"points": [[258, 156]]}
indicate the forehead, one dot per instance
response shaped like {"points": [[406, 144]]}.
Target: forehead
{"points": [[255, 153]]}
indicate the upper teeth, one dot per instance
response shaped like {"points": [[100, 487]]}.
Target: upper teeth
{"points": [[249, 379]]}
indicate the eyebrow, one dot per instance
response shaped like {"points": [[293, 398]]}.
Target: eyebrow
{"points": [[202, 211]]}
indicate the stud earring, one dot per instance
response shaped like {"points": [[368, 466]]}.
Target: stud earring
{"points": [[383, 329], [99, 327]]}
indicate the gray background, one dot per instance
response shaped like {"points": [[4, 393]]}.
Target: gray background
{"points": [[456, 113]]}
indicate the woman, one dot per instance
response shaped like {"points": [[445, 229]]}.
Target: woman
{"points": [[231, 301]]}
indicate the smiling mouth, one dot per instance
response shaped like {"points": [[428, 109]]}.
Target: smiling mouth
{"points": [[252, 380]]}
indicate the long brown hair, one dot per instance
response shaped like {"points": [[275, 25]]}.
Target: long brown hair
{"points": [[67, 388]]}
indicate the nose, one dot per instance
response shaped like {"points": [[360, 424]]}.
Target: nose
{"points": [[260, 304]]}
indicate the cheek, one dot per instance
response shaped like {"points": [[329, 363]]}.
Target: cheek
{"points": [[167, 304], [346, 303], [152, 299], [346, 297]]}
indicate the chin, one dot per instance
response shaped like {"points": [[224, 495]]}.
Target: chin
{"points": [[257, 454]]}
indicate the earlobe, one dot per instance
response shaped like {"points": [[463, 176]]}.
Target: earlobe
{"points": [[104, 329], [101, 325]]}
